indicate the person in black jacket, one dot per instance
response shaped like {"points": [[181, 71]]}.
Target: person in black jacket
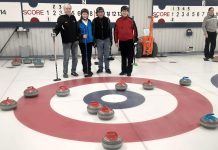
{"points": [[103, 39], [67, 25]]}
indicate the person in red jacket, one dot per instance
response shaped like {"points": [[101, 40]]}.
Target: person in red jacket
{"points": [[125, 34]]}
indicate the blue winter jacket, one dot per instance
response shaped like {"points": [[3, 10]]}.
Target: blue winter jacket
{"points": [[86, 30]]}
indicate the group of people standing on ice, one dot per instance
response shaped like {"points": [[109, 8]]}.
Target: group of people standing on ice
{"points": [[97, 33]]}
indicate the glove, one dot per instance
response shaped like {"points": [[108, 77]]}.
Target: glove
{"points": [[53, 34], [94, 45], [135, 40], [111, 43]]}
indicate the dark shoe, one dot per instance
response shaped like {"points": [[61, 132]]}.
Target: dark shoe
{"points": [[88, 75], [99, 71], [108, 71], [128, 74], [74, 74], [206, 59], [65, 75], [91, 73], [122, 73], [88, 72]]}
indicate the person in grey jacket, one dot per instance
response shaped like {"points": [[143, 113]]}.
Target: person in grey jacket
{"points": [[103, 39], [210, 25]]}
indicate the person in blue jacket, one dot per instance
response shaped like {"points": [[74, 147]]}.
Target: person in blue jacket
{"points": [[86, 41]]}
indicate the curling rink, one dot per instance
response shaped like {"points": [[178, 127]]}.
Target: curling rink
{"points": [[166, 118]]}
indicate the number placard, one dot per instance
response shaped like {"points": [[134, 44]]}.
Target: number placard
{"points": [[49, 12], [10, 12]]}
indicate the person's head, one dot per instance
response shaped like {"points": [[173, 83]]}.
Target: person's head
{"points": [[100, 12], [211, 11], [84, 14], [67, 9], [124, 11]]}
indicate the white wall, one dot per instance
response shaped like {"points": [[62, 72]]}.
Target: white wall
{"points": [[39, 41], [141, 9], [175, 39]]}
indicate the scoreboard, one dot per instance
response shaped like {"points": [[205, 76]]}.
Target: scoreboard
{"points": [[181, 13], [49, 12], [44, 13]]}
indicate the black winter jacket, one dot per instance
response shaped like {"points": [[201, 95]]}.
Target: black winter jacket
{"points": [[102, 28], [67, 25]]}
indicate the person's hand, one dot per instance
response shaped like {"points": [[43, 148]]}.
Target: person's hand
{"points": [[206, 35], [135, 40], [111, 43], [94, 45], [85, 36], [117, 45], [53, 34]]}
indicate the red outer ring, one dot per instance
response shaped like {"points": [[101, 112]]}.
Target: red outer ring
{"points": [[38, 115]]}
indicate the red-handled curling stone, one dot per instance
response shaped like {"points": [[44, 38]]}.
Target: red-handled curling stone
{"points": [[62, 91], [148, 85], [16, 61], [93, 107], [31, 92], [112, 141], [105, 113], [8, 104], [121, 86]]}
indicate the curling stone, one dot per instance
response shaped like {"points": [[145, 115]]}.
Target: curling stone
{"points": [[38, 62], [148, 85], [8, 104], [52, 58], [31, 92], [185, 81], [62, 91], [112, 141], [105, 113], [121, 86], [215, 59], [209, 121], [93, 107], [16, 61], [27, 60]]}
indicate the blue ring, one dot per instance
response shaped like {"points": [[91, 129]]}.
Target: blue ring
{"points": [[214, 80], [133, 99]]}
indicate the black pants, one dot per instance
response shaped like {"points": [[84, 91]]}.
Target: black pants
{"points": [[86, 51], [127, 54], [210, 42]]}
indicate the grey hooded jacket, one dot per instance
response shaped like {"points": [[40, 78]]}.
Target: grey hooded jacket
{"points": [[210, 24]]}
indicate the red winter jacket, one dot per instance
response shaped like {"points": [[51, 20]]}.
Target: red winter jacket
{"points": [[125, 29]]}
